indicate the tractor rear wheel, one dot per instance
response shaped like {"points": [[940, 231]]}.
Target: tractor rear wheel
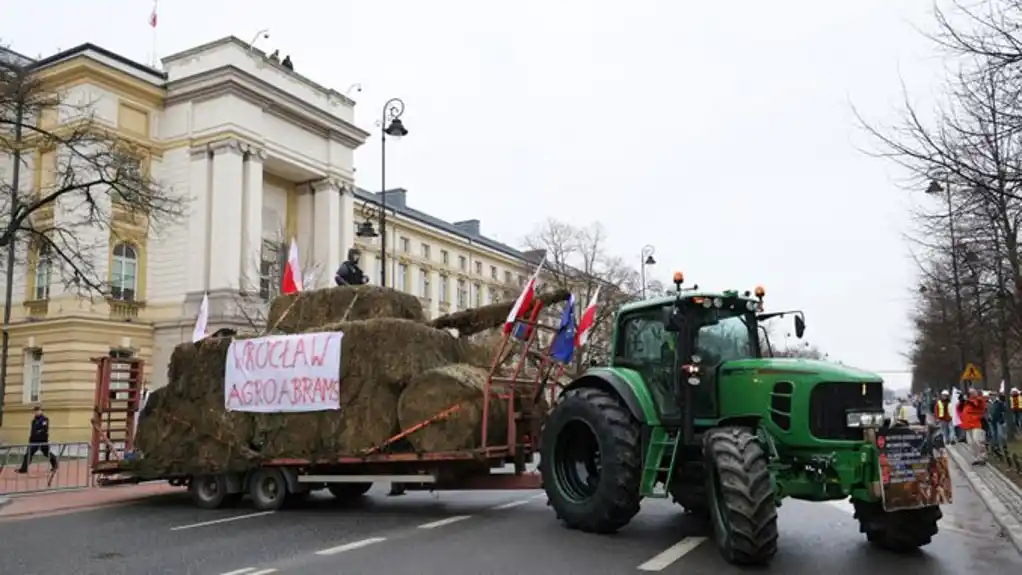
{"points": [[898, 531], [591, 461], [742, 505]]}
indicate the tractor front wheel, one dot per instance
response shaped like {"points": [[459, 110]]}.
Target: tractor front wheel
{"points": [[591, 461], [742, 505], [898, 531]]}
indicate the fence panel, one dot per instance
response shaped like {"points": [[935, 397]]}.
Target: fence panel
{"points": [[72, 471]]}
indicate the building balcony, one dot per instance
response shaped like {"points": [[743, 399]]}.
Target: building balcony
{"points": [[125, 310], [38, 308]]}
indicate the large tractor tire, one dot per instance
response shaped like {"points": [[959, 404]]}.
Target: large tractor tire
{"points": [[899, 531], [742, 503], [591, 461]]}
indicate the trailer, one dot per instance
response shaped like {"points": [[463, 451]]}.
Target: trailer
{"points": [[120, 394]]}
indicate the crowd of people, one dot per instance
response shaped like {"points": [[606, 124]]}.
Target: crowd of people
{"points": [[978, 418]]}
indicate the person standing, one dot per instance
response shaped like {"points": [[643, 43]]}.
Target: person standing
{"points": [[942, 413], [973, 413], [38, 441], [350, 273], [997, 412], [1015, 409]]}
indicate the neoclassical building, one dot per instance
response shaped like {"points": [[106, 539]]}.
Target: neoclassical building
{"points": [[261, 153]]}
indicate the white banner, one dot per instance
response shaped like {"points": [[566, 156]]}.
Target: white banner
{"points": [[284, 373]]}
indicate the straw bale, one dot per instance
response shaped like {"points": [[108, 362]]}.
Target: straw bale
{"points": [[438, 389], [187, 426], [480, 319], [306, 310]]}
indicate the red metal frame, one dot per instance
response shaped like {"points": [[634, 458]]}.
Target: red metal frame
{"points": [[114, 409]]}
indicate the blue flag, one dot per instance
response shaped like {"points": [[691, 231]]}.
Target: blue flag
{"points": [[563, 347]]}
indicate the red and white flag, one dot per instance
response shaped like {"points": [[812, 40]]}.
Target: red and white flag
{"points": [[152, 15], [587, 321], [524, 302], [292, 281], [202, 320]]}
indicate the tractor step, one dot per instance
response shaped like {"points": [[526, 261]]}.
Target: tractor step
{"points": [[662, 442]]}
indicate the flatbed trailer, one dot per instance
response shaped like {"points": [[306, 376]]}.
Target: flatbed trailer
{"points": [[270, 483]]}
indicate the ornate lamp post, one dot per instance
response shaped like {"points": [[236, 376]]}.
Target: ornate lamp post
{"points": [[645, 259]]}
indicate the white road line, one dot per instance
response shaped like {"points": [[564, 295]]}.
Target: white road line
{"points": [[350, 546], [248, 570], [511, 504], [442, 522], [263, 572], [224, 520], [672, 554], [540, 496]]}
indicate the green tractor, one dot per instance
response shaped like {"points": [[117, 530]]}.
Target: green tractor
{"points": [[690, 408]]}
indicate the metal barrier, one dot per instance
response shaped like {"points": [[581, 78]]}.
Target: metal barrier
{"points": [[72, 471]]}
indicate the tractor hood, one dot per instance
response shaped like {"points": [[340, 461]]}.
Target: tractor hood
{"points": [[823, 369]]}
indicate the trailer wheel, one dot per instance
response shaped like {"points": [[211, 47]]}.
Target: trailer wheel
{"points": [[591, 461], [268, 489], [208, 491], [898, 531], [348, 491], [742, 505]]}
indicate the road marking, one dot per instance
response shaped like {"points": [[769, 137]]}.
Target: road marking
{"points": [[945, 524], [672, 554], [442, 522], [240, 571], [224, 520], [350, 546], [511, 504], [540, 496], [263, 572]]}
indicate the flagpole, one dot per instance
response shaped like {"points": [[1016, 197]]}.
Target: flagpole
{"points": [[153, 22]]}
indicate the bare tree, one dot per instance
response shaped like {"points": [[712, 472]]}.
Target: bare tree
{"points": [[88, 182], [577, 260], [256, 294]]}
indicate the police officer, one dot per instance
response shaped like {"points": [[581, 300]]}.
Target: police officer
{"points": [[39, 440], [349, 273]]}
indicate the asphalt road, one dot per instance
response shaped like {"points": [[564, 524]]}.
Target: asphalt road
{"points": [[498, 533]]}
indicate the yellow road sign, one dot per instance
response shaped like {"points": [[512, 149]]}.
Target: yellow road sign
{"points": [[971, 373]]}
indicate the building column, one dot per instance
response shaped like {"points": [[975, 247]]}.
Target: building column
{"points": [[326, 243], [225, 217], [252, 221], [199, 174]]}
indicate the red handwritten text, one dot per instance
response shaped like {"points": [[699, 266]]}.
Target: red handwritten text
{"points": [[293, 352], [293, 391]]}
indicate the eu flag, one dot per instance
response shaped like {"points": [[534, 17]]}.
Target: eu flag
{"points": [[563, 347]]}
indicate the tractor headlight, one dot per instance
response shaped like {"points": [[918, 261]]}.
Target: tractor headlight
{"points": [[863, 420]]}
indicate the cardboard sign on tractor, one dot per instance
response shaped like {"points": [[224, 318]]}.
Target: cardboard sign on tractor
{"points": [[284, 373]]}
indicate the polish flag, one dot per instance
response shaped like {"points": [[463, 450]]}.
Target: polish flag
{"points": [[524, 302], [202, 321], [152, 16], [292, 281], [587, 321]]}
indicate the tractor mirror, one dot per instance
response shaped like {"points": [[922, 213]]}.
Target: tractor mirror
{"points": [[800, 326]]}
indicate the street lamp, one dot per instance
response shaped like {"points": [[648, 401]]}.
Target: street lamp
{"points": [[391, 125], [645, 259], [935, 188]]}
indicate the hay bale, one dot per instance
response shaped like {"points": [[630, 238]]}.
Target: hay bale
{"points": [[306, 310], [189, 428], [436, 390], [480, 319]]}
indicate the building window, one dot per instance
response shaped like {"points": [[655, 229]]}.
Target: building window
{"points": [[521, 280], [479, 268], [33, 376], [477, 297], [462, 295], [270, 270], [424, 284], [462, 263], [445, 257], [507, 277], [43, 272], [406, 245], [374, 278], [124, 274], [402, 277], [493, 272], [491, 295], [444, 296], [425, 252]]}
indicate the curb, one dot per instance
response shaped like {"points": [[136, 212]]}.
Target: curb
{"points": [[4, 501], [1011, 526]]}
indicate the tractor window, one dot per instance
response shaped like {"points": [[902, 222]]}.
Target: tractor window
{"points": [[644, 345], [727, 339]]}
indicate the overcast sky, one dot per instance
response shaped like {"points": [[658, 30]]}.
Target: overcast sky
{"points": [[720, 132]]}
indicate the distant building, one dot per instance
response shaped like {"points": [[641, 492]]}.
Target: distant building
{"points": [[265, 154]]}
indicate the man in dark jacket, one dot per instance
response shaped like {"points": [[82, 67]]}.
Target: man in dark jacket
{"points": [[349, 273], [39, 440]]}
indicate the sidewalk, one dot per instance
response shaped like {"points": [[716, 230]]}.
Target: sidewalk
{"points": [[45, 504], [1000, 495]]}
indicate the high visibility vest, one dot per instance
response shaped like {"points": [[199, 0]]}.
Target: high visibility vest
{"points": [[941, 410], [1016, 403]]}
